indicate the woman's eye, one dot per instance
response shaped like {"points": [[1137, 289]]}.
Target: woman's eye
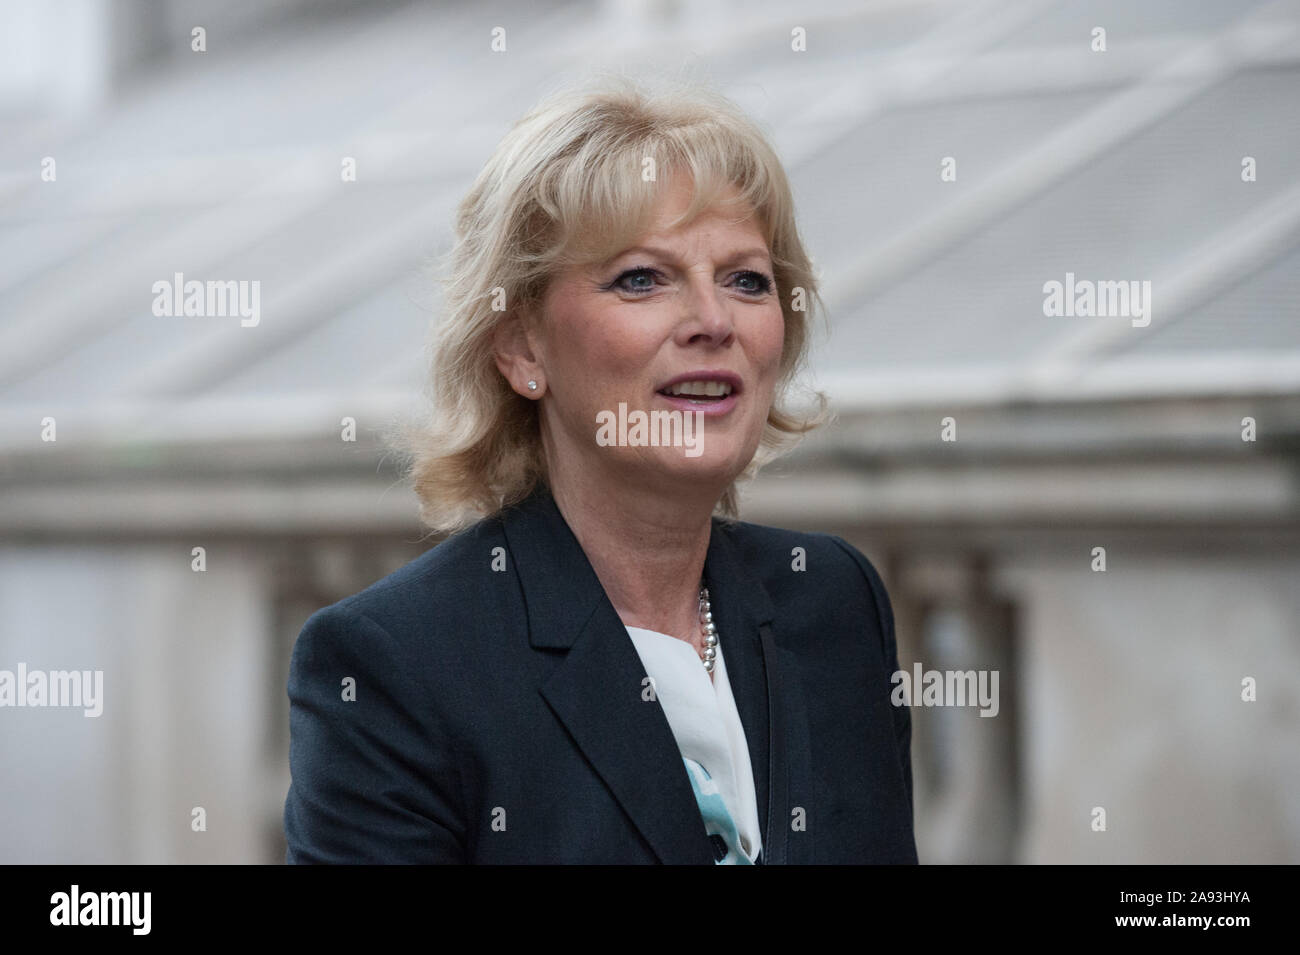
{"points": [[630, 281], [641, 280], [760, 283]]}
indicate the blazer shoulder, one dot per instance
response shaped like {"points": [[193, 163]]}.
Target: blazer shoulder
{"points": [[771, 552], [784, 560], [432, 587]]}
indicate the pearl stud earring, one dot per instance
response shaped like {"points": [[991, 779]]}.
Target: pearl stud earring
{"points": [[532, 385]]}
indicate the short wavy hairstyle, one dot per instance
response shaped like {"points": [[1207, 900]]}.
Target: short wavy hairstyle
{"points": [[566, 186]]}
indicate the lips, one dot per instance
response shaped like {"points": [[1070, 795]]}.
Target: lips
{"points": [[699, 389], [711, 392], [702, 385]]}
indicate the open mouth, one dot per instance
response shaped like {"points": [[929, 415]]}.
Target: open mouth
{"points": [[699, 392]]}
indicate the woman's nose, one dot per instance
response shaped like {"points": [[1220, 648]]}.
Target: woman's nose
{"points": [[707, 312]]}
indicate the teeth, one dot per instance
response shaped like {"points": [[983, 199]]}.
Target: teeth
{"points": [[710, 389]]}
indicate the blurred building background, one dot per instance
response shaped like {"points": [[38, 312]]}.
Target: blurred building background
{"points": [[949, 158]]}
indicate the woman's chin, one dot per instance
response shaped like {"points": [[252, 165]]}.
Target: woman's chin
{"points": [[709, 467]]}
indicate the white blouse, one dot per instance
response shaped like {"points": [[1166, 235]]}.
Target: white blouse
{"points": [[703, 717]]}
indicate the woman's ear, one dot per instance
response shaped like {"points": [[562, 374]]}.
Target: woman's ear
{"points": [[515, 356]]}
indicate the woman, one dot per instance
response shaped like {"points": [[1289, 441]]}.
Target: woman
{"points": [[601, 664]]}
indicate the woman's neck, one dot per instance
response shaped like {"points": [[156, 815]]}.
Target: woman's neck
{"points": [[647, 549]]}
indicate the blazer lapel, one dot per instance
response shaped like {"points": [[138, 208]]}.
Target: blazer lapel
{"points": [[769, 698], [740, 606], [596, 692]]}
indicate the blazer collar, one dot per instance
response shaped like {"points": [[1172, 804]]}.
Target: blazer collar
{"points": [[598, 692]]}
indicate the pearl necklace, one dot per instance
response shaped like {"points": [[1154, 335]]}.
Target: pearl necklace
{"points": [[710, 631]]}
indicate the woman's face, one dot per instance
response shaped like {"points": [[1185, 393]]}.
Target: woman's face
{"points": [[684, 327]]}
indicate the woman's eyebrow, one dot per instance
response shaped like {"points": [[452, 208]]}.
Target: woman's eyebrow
{"points": [[751, 252]]}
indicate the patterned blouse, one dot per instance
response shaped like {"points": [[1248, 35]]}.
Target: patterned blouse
{"points": [[702, 715]]}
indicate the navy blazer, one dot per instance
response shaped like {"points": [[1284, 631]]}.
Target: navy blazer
{"points": [[499, 712]]}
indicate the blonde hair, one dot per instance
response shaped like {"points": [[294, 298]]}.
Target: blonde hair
{"points": [[566, 186]]}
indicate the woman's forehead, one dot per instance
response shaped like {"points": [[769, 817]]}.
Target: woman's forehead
{"points": [[668, 232]]}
